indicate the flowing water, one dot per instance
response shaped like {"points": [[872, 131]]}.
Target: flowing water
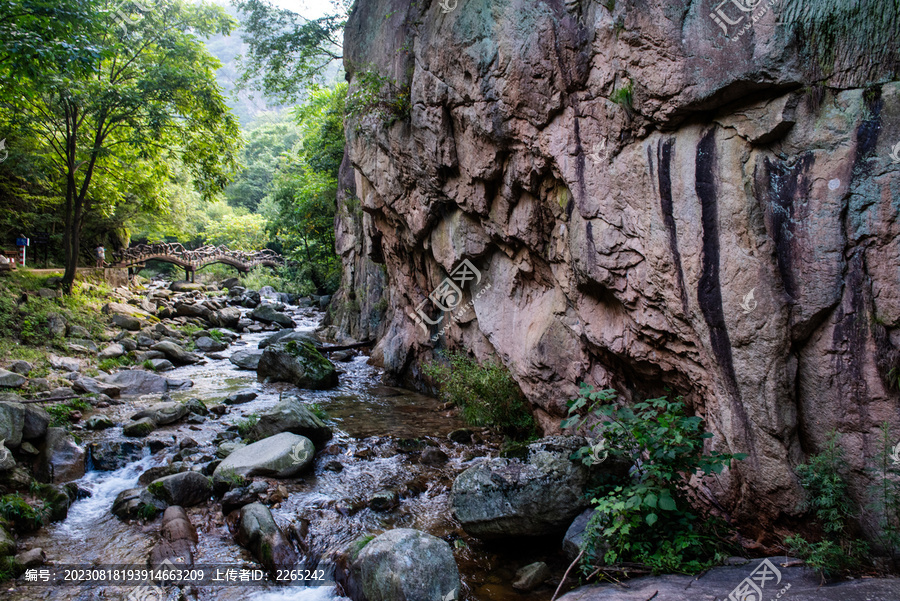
{"points": [[379, 434]]}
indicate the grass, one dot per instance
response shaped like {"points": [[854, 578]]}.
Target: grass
{"points": [[109, 365], [624, 96], [60, 412], [245, 425], [316, 410], [358, 545], [20, 513]]}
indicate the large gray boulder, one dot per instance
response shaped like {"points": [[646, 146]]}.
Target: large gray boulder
{"points": [[298, 363], [176, 541], [12, 421], [291, 415], [511, 498], [258, 532], [10, 379], [35, 422], [164, 413], [184, 489], [281, 456], [225, 318], [287, 336], [136, 381], [175, 353], [246, 359], [108, 455], [268, 314], [407, 565], [86, 384], [135, 503], [60, 459], [209, 345]]}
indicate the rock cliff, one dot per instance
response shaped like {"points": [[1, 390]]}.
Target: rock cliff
{"points": [[651, 196]]}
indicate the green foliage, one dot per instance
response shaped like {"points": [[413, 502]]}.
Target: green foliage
{"points": [[238, 232], [233, 479], [316, 410], [146, 511], [649, 520], [827, 498], [60, 412], [624, 96], [885, 495], [260, 276], [359, 544], [245, 425], [20, 514], [378, 95], [110, 365], [486, 393]]}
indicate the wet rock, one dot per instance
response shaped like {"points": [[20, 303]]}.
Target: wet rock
{"points": [[281, 456], [267, 314], [334, 466], [229, 317], [136, 503], [250, 299], [177, 537], [237, 398], [298, 363], [7, 462], [164, 413], [574, 538], [196, 406], [161, 365], [218, 410], [60, 458], [10, 379], [384, 500], [67, 364], [28, 449], [246, 359], [431, 456], [185, 286], [161, 471], [405, 564], [140, 428], [21, 367], [461, 436], [227, 448], [148, 355], [175, 353], [90, 385], [98, 422], [509, 497], [209, 345], [258, 532], [109, 455], [287, 336], [229, 283], [291, 415], [31, 558], [237, 498], [136, 381], [127, 322], [12, 421], [185, 489], [531, 576]]}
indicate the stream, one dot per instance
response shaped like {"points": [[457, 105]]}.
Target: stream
{"points": [[379, 433]]}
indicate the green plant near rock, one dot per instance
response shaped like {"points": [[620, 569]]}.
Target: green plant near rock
{"points": [[648, 521], [624, 96], [486, 393], [20, 514], [60, 412], [359, 544], [885, 495], [827, 498], [109, 365], [380, 95], [244, 426]]}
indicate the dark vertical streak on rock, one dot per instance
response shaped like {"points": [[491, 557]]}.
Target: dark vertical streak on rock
{"points": [[664, 160], [709, 292]]}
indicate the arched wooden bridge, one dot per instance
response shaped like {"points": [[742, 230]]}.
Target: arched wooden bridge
{"points": [[192, 260]]}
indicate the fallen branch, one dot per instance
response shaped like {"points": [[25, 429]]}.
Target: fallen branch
{"points": [[566, 575]]}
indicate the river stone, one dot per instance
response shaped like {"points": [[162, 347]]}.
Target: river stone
{"points": [[267, 314], [258, 532], [184, 489], [246, 359], [86, 384], [287, 336], [191, 310], [123, 309], [112, 351], [12, 422], [196, 406], [250, 299], [136, 502], [185, 286], [164, 413], [10, 379], [109, 455], [291, 415], [227, 448], [209, 345], [35, 422], [531, 576], [161, 365], [137, 381], [298, 363], [175, 353], [281, 456], [407, 565], [240, 397], [60, 458], [127, 322], [384, 500], [574, 537], [98, 422], [161, 471], [20, 367], [177, 537], [31, 558], [509, 497], [128, 344], [225, 318], [7, 462], [67, 364], [140, 428], [74, 331]]}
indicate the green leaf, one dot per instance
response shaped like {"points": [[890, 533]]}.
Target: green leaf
{"points": [[651, 518], [667, 503], [650, 500]]}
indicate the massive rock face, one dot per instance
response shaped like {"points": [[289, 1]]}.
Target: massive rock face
{"points": [[649, 204]]}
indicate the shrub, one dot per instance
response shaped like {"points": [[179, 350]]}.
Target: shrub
{"points": [[245, 425], [20, 514], [624, 96], [259, 277], [486, 394], [648, 521], [885, 494], [827, 498], [60, 412]]}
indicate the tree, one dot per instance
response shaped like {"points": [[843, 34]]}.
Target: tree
{"points": [[288, 53], [123, 92]]}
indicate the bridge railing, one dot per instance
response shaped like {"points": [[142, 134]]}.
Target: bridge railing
{"points": [[195, 257]]}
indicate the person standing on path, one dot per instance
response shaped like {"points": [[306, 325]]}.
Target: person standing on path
{"points": [[101, 255]]}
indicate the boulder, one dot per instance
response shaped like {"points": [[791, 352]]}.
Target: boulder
{"points": [[185, 286], [246, 359], [184, 489], [209, 345], [74, 331], [298, 363], [384, 500], [242, 396], [229, 283], [7, 543], [31, 558], [35, 422], [161, 365], [12, 421], [56, 325], [407, 565], [574, 537], [126, 322], [237, 498], [164, 413], [531, 576], [510, 498], [258, 532], [177, 537], [140, 428], [90, 385], [250, 299], [291, 415], [112, 351], [10, 379], [136, 503], [225, 318], [281, 456], [60, 458], [227, 448], [287, 336], [21, 367], [109, 455], [268, 314], [123, 309], [175, 353], [136, 381], [98, 422], [7, 462], [67, 364], [191, 310]]}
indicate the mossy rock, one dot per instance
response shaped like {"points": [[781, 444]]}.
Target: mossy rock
{"points": [[298, 363]]}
